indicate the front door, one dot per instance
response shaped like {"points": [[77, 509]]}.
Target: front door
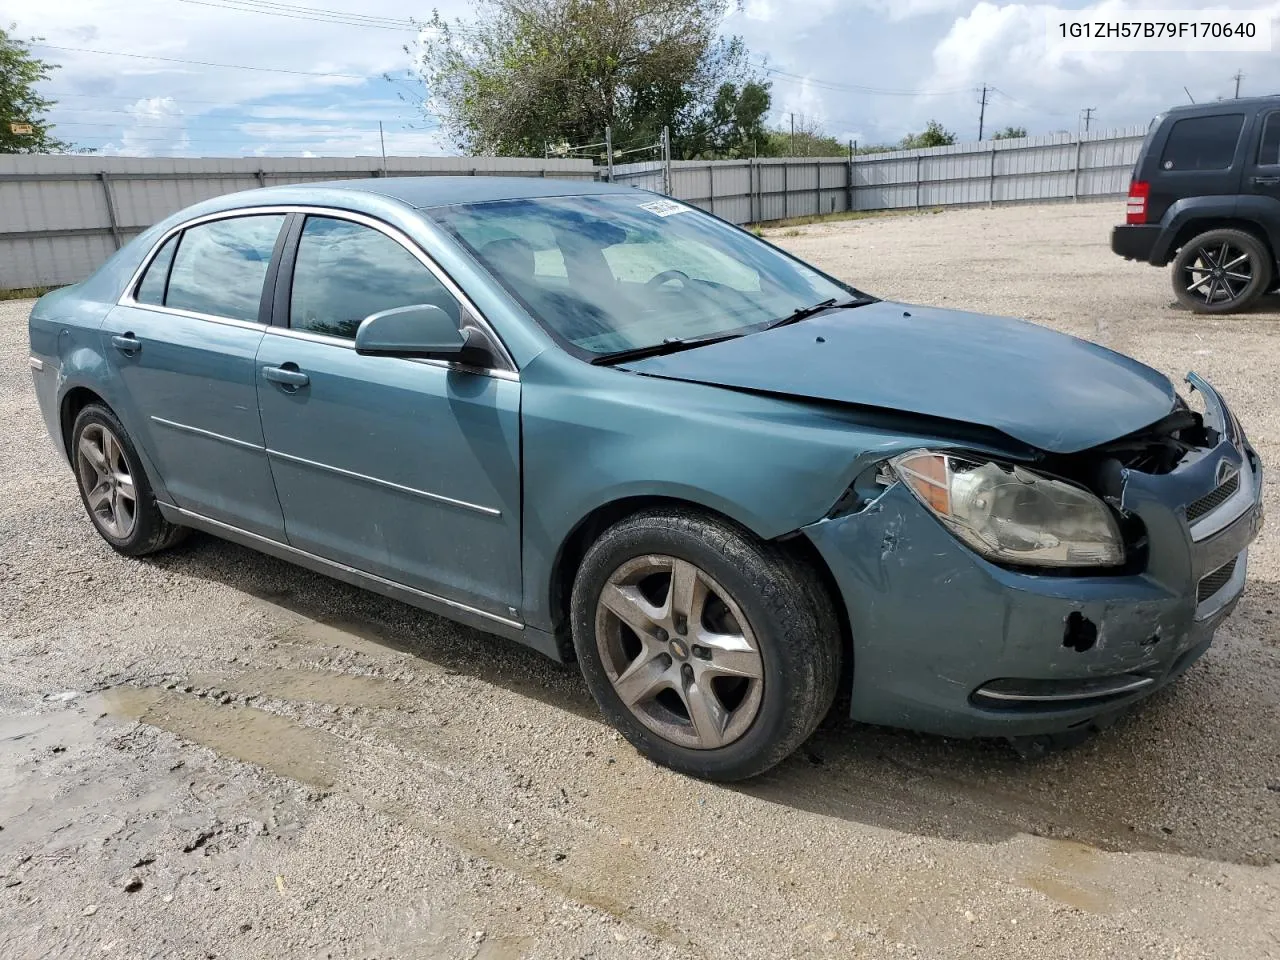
{"points": [[406, 469], [183, 345]]}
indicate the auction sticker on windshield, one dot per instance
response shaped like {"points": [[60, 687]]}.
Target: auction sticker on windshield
{"points": [[664, 208]]}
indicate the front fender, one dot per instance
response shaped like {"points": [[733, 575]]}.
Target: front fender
{"points": [[596, 435]]}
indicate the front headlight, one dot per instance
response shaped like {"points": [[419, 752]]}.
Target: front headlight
{"points": [[1011, 515]]}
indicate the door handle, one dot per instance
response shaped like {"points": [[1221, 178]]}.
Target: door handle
{"points": [[287, 375], [1265, 181], [127, 343]]}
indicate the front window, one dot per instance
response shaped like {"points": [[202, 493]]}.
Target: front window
{"points": [[345, 271], [618, 272]]}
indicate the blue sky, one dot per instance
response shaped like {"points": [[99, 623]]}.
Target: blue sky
{"points": [[869, 70]]}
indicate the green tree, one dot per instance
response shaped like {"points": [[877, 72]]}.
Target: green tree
{"points": [[1010, 133], [524, 73], [934, 135], [20, 104]]}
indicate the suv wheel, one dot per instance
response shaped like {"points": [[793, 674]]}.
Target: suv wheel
{"points": [[712, 652], [1221, 271]]}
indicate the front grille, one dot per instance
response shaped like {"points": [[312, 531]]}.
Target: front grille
{"points": [[1215, 498], [1211, 583]]}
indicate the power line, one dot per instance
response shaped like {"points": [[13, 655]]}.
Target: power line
{"points": [[353, 20], [206, 63]]}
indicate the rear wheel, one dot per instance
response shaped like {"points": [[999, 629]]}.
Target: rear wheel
{"points": [[114, 488], [1221, 271], [712, 652]]}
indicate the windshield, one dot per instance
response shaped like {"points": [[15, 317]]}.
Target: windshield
{"points": [[618, 272]]}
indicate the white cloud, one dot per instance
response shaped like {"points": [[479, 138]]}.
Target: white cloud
{"points": [[1045, 85]]}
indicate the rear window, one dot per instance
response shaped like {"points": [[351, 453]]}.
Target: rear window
{"points": [[1269, 151], [1202, 143]]}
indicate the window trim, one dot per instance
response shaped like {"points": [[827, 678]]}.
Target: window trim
{"points": [[284, 256]]}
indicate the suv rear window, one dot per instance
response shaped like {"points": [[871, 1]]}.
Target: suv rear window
{"points": [[1202, 143]]}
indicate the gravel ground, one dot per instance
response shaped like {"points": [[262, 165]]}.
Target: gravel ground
{"points": [[212, 753]]}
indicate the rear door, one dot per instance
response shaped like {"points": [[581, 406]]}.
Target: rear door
{"points": [[406, 469], [1201, 155], [182, 343]]}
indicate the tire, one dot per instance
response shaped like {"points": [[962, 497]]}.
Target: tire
{"points": [[765, 676], [107, 468], [1222, 271]]}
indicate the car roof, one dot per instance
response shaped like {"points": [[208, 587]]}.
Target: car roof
{"points": [[1241, 103], [437, 191]]}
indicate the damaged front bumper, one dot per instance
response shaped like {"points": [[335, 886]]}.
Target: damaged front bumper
{"points": [[946, 642]]}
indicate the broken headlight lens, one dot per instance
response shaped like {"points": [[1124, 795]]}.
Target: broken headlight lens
{"points": [[1011, 515]]}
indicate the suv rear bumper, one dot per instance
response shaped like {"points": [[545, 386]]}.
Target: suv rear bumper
{"points": [[1136, 241]]}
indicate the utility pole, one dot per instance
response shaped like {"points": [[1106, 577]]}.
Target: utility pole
{"points": [[383, 140], [1088, 115], [1237, 78], [982, 110], [608, 150], [793, 134]]}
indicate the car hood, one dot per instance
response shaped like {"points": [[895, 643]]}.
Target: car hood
{"points": [[1046, 389]]}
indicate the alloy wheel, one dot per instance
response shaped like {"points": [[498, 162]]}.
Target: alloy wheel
{"points": [[1218, 273], [106, 481], [679, 652]]}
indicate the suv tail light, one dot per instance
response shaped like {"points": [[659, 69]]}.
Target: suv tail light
{"points": [[1136, 208]]}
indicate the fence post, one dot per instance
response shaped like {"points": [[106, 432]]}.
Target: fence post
{"points": [[262, 177], [111, 207], [848, 180], [666, 161], [991, 186], [817, 190], [608, 149], [786, 188], [919, 164], [1075, 173], [711, 187]]}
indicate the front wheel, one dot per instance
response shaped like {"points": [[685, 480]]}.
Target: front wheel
{"points": [[713, 653], [1221, 271]]}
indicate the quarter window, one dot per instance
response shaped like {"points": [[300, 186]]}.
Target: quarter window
{"points": [[151, 289], [1269, 151], [220, 267], [1202, 143], [345, 271]]}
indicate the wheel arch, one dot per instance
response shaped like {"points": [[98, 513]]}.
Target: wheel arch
{"points": [[73, 401], [573, 548], [1191, 229]]}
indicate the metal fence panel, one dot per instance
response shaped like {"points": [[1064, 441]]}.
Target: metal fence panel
{"points": [[1053, 167], [62, 216]]}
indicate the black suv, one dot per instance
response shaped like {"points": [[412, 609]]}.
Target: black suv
{"points": [[1206, 196]]}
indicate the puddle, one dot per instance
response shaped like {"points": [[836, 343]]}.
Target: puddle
{"points": [[1076, 862], [310, 686], [266, 740]]}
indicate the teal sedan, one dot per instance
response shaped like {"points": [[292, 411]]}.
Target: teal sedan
{"points": [[735, 490]]}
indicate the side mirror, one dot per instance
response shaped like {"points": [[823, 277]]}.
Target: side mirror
{"points": [[420, 330]]}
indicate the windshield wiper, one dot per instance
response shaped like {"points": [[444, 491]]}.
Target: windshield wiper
{"points": [[803, 313], [670, 345]]}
